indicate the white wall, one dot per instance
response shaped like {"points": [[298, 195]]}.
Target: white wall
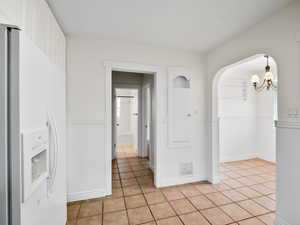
{"points": [[42, 90], [36, 20], [237, 117], [265, 125], [276, 36], [86, 101]]}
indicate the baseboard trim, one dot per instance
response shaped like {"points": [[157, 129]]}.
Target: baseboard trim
{"points": [[214, 180], [280, 221], [180, 180], [239, 157], [78, 196]]}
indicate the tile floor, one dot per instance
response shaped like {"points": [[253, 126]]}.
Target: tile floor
{"points": [[245, 196], [126, 152]]}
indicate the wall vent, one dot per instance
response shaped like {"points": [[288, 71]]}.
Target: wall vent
{"points": [[186, 168]]}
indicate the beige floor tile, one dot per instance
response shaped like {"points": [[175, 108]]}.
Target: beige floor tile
{"points": [[218, 198], [132, 190], [221, 187], [129, 182], [268, 203], [73, 211], [194, 219], [114, 204], [216, 216], [201, 202], [172, 194], [71, 222], [257, 179], [155, 197], [252, 221], [149, 223], [233, 183], [147, 188], [236, 212], [272, 196], [170, 221], [116, 193], [92, 208], [250, 193], [115, 218], [135, 201], [94, 220], [139, 215], [182, 206], [162, 210], [127, 175], [262, 189], [246, 181], [268, 219], [189, 190], [253, 208], [232, 174], [234, 195], [206, 188]]}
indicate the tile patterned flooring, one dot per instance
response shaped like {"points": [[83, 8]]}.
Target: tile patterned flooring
{"points": [[126, 152], [245, 196]]}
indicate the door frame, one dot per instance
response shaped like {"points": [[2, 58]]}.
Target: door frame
{"points": [[111, 66], [144, 120], [140, 114]]}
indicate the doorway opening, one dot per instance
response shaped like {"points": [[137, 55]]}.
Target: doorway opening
{"points": [[126, 114], [132, 147], [244, 133]]}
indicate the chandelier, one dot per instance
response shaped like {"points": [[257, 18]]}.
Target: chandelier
{"points": [[268, 81]]}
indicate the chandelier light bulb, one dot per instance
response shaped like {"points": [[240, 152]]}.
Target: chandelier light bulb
{"points": [[255, 79], [269, 76]]}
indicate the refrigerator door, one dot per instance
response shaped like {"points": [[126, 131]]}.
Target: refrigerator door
{"points": [[10, 173]]}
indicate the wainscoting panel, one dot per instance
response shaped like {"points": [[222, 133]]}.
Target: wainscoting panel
{"points": [[85, 137]]}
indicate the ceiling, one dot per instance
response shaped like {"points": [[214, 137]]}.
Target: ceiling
{"points": [[194, 25], [247, 69]]}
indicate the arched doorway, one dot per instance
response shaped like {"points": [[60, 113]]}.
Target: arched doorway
{"points": [[215, 126]]}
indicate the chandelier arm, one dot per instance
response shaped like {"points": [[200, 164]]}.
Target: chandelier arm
{"points": [[261, 87]]}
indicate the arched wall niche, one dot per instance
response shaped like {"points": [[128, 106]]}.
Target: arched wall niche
{"points": [[181, 82], [179, 108]]}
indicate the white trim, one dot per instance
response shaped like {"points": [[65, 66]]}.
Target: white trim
{"points": [[138, 68], [232, 158], [287, 124], [145, 153], [87, 122], [214, 180], [181, 180], [78, 196], [280, 221]]}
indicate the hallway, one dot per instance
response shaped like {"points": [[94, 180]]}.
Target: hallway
{"points": [[245, 196]]}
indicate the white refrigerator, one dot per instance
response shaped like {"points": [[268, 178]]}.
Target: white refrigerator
{"points": [[32, 134]]}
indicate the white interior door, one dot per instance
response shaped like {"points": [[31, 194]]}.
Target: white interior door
{"points": [[114, 123]]}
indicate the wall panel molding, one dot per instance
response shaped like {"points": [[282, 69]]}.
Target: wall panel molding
{"points": [[179, 107], [287, 124]]}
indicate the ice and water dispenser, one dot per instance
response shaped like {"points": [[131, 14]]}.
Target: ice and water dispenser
{"points": [[35, 159]]}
